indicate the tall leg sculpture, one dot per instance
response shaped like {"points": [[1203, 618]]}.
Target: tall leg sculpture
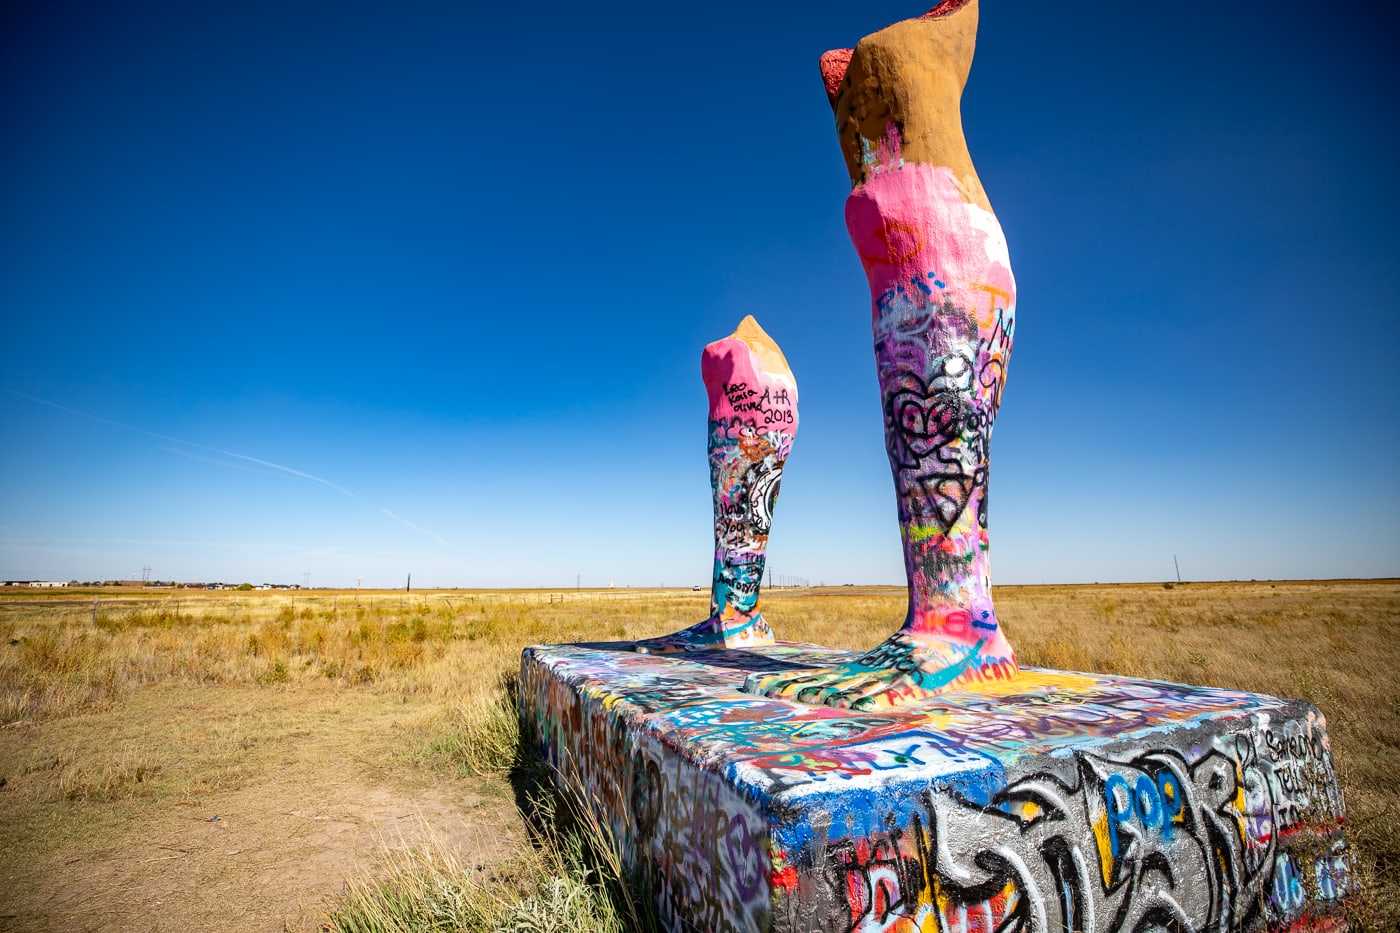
{"points": [[943, 305], [753, 420]]}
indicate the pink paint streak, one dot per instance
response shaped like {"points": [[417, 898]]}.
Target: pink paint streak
{"points": [[912, 221]]}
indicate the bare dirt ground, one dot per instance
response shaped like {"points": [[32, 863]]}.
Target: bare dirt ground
{"points": [[231, 808]]}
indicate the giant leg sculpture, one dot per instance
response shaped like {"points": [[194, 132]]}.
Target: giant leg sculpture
{"points": [[753, 420], [943, 313]]}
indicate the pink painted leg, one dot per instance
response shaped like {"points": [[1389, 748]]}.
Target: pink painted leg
{"points": [[753, 420]]}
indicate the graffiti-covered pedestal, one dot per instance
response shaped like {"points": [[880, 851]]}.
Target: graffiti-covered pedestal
{"points": [[1054, 801]]}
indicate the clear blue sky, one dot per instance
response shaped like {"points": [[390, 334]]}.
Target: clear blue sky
{"points": [[372, 289]]}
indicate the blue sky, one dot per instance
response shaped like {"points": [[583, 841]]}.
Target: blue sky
{"points": [[371, 289]]}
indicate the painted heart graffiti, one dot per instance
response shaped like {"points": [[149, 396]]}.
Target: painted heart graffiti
{"points": [[925, 422], [935, 500]]}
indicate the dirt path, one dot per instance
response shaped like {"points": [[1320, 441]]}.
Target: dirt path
{"points": [[258, 807]]}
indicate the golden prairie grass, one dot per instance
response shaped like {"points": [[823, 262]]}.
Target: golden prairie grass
{"points": [[66, 656], [442, 657]]}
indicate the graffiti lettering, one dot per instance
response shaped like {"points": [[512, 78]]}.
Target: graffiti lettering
{"points": [[737, 391], [773, 396]]}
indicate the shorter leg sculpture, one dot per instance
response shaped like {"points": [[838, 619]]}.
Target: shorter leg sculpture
{"points": [[753, 420]]}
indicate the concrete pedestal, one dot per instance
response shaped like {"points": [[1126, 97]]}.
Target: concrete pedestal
{"points": [[1058, 801]]}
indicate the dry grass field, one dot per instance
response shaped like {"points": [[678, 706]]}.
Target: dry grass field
{"points": [[184, 759]]}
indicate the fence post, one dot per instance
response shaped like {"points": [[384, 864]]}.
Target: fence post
{"points": [[94, 610]]}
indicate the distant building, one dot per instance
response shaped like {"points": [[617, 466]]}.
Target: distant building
{"points": [[46, 584]]}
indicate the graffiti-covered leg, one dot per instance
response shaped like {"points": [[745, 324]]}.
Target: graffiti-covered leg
{"points": [[943, 312], [753, 420]]}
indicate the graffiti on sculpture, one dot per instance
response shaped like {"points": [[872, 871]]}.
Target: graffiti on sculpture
{"points": [[1021, 810], [780, 746], [1227, 840], [699, 843], [753, 421], [943, 316]]}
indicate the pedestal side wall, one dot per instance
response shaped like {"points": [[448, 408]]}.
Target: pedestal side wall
{"points": [[700, 846], [1233, 825]]}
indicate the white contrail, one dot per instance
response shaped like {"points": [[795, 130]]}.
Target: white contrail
{"points": [[175, 440], [284, 469], [191, 455], [403, 521], [226, 453]]}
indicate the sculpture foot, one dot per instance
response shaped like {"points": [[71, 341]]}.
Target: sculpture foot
{"points": [[906, 669], [712, 633]]}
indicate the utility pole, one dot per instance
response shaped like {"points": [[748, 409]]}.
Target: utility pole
{"points": [[1178, 568]]}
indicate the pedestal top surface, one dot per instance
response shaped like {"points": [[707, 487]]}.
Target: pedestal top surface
{"points": [[694, 703]]}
